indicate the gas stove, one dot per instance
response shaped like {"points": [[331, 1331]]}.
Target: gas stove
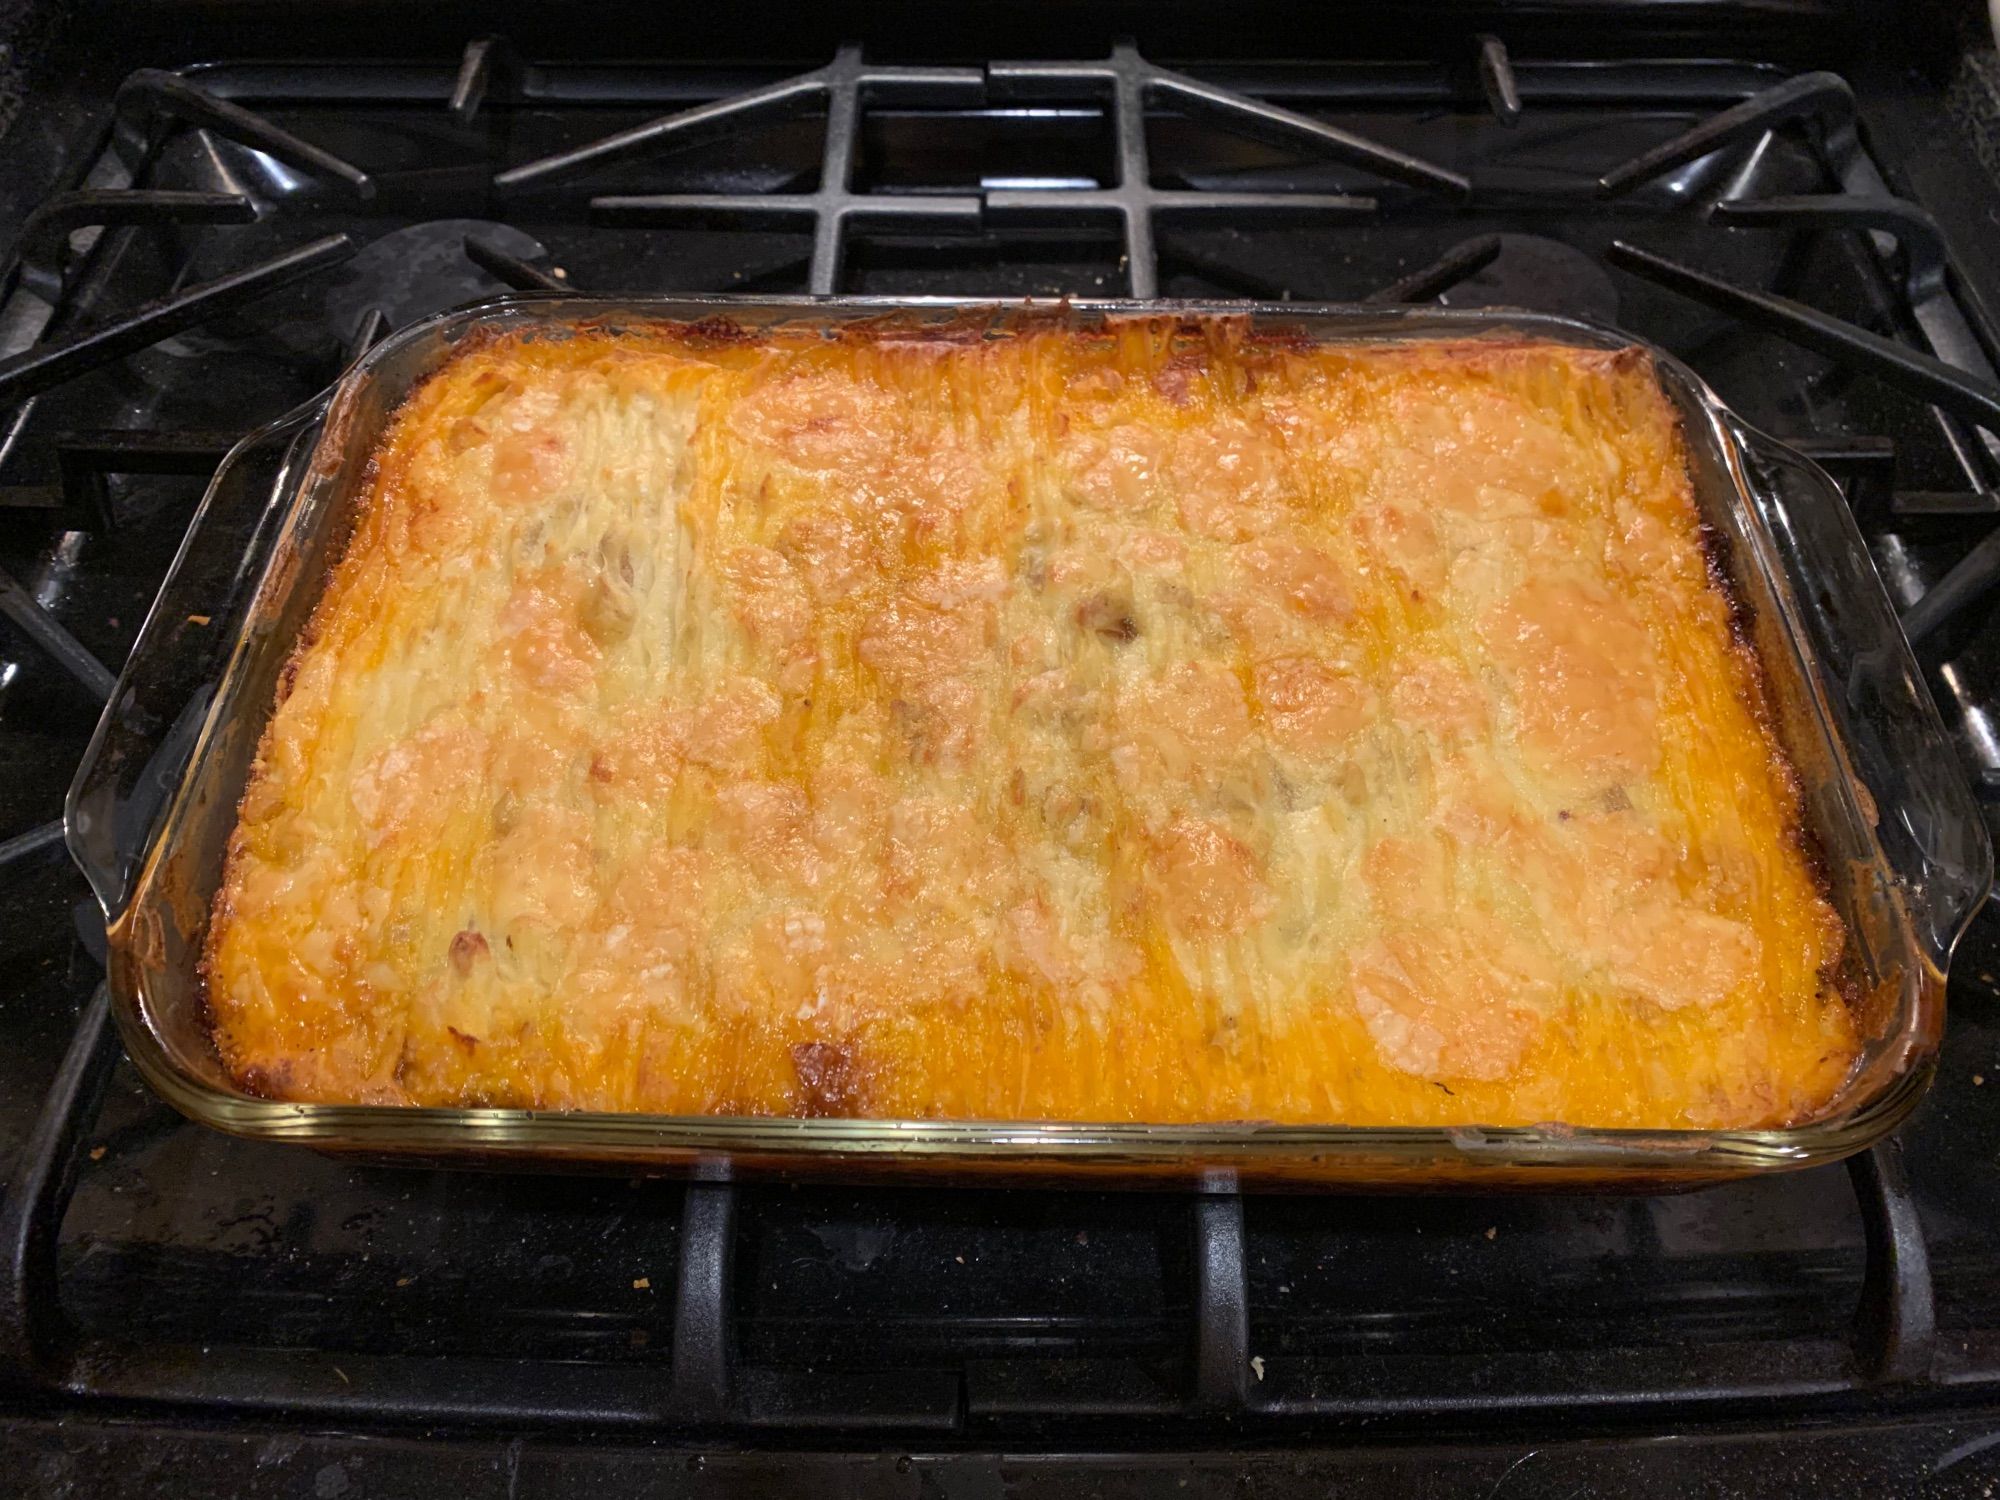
{"points": [[215, 207]]}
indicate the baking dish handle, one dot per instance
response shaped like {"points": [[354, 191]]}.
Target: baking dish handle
{"points": [[1925, 818], [160, 707]]}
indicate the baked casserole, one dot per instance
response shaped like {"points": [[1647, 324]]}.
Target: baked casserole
{"points": [[1156, 723]]}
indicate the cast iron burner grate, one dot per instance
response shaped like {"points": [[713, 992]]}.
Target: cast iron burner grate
{"points": [[219, 207]]}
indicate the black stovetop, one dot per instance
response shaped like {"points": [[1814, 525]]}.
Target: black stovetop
{"points": [[296, 1321]]}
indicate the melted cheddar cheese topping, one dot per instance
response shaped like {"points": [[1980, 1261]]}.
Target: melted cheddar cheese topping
{"points": [[1151, 725]]}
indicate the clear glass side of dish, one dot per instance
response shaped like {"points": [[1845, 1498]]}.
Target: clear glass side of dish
{"points": [[1903, 848]]}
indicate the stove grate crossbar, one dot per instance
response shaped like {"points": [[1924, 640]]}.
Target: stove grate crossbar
{"points": [[152, 96], [1126, 83]]}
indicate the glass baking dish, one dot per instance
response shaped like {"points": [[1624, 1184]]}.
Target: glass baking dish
{"points": [[1905, 852]]}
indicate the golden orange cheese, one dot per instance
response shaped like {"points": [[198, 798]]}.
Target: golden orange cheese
{"points": [[1158, 724]]}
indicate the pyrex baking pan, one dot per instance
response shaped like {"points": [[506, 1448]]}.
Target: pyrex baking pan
{"points": [[1905, 853]]}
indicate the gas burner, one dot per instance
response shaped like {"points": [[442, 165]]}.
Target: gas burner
{"points": [[1542, 275], [411, 273]]}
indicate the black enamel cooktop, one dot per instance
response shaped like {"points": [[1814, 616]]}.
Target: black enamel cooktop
{"points": [[213, 206]]}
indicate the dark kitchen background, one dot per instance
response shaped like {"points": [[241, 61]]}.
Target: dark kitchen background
{"points": [[207, 208]]}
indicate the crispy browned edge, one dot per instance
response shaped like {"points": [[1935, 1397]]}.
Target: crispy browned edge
{"points": [[973, 325], [333, 441], [1840, 973]]}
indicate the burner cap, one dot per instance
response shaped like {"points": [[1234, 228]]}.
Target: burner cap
{"points": [[411, 273], [1542, 275]]}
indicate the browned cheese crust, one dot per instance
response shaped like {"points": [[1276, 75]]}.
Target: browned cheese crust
{"points": [[1155, 725]]}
